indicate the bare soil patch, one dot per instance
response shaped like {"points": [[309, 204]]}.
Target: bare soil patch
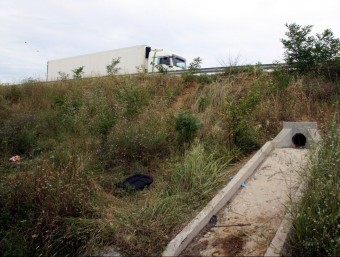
{"points": [[179, 102]]}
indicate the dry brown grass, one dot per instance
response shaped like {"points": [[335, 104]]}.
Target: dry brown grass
{"points": [[78, 138]]}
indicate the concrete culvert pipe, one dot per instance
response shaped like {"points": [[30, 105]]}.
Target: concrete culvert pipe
{"points": [[299, 140]]}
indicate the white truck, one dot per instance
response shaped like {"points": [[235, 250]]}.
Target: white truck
{"points": [[131, 60]]}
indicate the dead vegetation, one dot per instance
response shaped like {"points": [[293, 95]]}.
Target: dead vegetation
{"points": [[78, 138]]}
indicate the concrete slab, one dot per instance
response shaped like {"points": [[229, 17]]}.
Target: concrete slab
{"points": [[307, 129], [180, 242], [309, 134], [278, 242], [246, 225]]}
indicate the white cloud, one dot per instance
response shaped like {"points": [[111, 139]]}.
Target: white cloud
{"points": [[215, 30]]}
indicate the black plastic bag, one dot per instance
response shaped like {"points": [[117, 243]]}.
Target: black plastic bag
{"points": [[136, 182]]}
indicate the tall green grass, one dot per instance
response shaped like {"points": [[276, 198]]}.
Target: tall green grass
{"points": [[199, 174], [316, 224]]}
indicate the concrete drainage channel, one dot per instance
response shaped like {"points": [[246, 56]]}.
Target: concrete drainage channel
{"points": [[247, 217]]}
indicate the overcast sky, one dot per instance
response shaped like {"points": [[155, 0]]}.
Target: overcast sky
{"points": [[219, 31]]}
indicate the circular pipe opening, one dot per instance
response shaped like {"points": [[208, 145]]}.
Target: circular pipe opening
{"points": [[299, 140]]}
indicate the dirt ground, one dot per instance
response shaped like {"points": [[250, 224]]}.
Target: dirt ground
{"points": [[183, 96], [247, 224]]}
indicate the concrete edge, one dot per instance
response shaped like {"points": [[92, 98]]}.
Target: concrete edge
{"points": [[314, 135], [181, 241], [283, 139], [299, 124], [308, 129], [277, 245]]}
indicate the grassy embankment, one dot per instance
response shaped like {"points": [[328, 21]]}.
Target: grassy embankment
{"points": [[316, 219], [78, 138]]}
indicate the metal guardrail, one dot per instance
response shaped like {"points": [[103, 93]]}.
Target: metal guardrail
{"points": [[208, 71], [219, 70]]}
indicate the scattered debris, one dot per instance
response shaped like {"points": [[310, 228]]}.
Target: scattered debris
{"points": [[233, 225], [213, 220], [15, 158], [243, 184]]}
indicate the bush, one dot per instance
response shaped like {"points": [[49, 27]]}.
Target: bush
{"points": [[112, 68], [19, 135], [193, 68], [133, 98], [187, 126], [242, 131], [78, 72], [203, 103]]}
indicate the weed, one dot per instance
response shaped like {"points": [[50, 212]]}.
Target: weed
{"points": [[199, 174], [239, 113], [316, 229], [136, 141], [63, 76], [39, 201], [193, 68], [19, 134], [203, 103], [78, 138], [112, 68], [187, 126], [133, 99], [78, 72]]}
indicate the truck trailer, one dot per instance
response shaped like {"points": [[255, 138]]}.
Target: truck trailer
{"points": [[132, 60]]}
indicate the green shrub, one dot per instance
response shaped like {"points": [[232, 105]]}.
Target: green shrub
{"points": [[13, 94], [112, 68], [203, 103], [187, 126], [282, 79], [205, 79], [194, 66], [242, 131], [19, 134], [134, 99], [78, 72], [105, 122]]}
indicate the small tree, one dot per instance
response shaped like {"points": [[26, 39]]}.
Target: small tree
{"points": [[193, 68], [63, 75], [78, 72], [195, 65], [327, 48], [307, 53], [112, 68]]}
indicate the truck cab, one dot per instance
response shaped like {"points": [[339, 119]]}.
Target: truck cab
{"points": [[165, 59]]}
